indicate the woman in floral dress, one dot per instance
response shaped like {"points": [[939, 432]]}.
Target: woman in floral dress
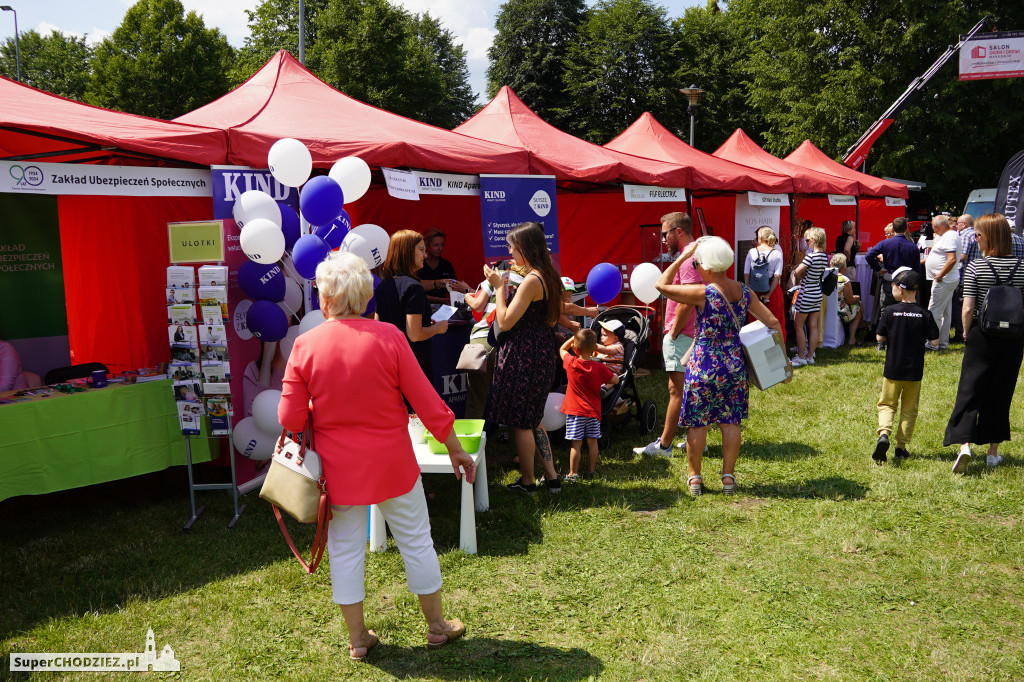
{"points": [[525, 366], [715, 387]]}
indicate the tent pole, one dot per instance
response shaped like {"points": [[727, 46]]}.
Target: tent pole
{"points": [[302, 33]]}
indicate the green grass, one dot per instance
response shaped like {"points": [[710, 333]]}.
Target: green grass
{"points": [[824, 566]]}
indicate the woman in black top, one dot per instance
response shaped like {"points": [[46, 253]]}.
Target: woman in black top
{"points": [[991, 363], [847, 244], [436, 273], [401, 300]]}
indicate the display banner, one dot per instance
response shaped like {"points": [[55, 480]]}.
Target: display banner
{"points": [[894, 201], [750, 217], [1008, 191], [507, 200], [993, 55], [762, 199], [196, 242], [841, 200], [449, 184], [247, 352], [401, 184], [122, 181], [646, 193]]}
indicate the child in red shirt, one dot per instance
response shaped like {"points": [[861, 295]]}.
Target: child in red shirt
{"points": [[582, 405]]}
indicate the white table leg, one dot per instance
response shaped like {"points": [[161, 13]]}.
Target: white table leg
{"points": [[378, 530], [467, 520], [483, 502]]}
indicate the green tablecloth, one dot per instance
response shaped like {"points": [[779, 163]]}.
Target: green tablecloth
{"points": [[81, 439]]}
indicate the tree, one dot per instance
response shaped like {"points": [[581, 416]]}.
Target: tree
{"points": [[448, 71], [618, 68], [56, 63], [160, 62], [528, 54], [273, 26]]}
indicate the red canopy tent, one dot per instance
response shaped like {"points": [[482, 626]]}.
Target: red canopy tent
{"points": [[594, 225], [650, 139], [40, 126], [809, 156]]}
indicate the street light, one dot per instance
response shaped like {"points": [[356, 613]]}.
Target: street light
{"points": [[693, 94], [17, 47]]}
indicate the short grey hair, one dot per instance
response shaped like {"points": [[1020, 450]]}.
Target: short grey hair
{"points": [[345, 284], [714, 254], [940, 220]]}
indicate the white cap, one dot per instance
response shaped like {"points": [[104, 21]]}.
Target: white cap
{"points": [[568, 284], [614, 326]]}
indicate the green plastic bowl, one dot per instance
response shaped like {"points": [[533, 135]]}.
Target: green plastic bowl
{"points": [[469, 432]]}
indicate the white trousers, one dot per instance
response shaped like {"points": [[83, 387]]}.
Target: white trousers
{"points": [[410, 526], [941, 306]]}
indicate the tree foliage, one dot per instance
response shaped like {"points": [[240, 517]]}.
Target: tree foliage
{"points": [[159, 62], [57, 63], [273, 26], [528, 54], [618, 67]]}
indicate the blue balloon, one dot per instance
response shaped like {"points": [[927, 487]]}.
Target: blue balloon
{"points": [[261, 282], [291, 226], [267, 321], [320, 200], [307, 254], [335, 232], [371, 307], [604, 283]]}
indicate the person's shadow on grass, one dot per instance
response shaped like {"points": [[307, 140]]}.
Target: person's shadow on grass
{"points": [[831, 488], [487, 658]]}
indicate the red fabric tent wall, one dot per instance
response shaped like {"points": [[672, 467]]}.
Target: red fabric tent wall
{"points": [[115, 252], [874, 216]]}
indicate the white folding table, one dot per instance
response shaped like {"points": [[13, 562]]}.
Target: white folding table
{"points": [[474, 496]]}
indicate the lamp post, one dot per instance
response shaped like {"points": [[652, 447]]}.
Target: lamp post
{"points": [[302, 33], [17, 47], [693, 94]]}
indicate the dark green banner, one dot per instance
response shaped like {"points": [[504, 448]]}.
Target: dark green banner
{"points": [[31, 269]]}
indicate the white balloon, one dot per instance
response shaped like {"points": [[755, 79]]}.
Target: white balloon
{"points": [[256, 204], [286, 344], [312, 319], [642, 282], [292, 295], [262, 241], [251, 441], [264, 411], [553, 417], [369, 242], [290, 162], [353, 175]]}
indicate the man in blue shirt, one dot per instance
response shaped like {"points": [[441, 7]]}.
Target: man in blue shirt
{"points": [[895, 252]]}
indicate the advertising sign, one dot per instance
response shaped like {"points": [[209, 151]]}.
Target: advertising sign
{"points": [[646, 193], [507, 200], [750, 217], [27, 177], [196, 242], [841, 200], [1008, 191], [762, 199], [401, 184], [993, 55], [448, 183]]}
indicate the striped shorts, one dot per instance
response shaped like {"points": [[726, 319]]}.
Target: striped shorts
{"points": [[578, 428]]}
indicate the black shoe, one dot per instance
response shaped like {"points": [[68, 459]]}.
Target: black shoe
{"points": [[881, 348], [520, 487], [881, 447], [554, 486], [901, 454], [588, 475]]}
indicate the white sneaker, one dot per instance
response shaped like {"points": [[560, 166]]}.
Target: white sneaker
{"points": [[963, 460], [654, 449], [809, 361], [798, 361], [993, 460]]}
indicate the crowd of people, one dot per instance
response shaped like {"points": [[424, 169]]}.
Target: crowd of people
{"points": [[523, 302]]}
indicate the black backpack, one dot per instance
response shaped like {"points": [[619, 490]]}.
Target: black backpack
{"points": [[1002, 313], [829, 280], [760, 274]]}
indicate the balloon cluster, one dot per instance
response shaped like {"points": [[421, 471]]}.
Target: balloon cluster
{"points": [[605, 283], [278, 252]]}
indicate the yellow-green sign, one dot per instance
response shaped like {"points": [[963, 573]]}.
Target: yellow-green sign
{"points": [[197, 242]]}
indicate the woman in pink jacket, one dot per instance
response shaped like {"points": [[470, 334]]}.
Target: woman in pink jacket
{"points": [[355, 372]]}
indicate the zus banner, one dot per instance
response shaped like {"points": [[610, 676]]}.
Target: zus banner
{"points": [[507, 200], [1008, 191]]}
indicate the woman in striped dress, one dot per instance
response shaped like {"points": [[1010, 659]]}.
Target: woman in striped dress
{"points": [[991, 363], [808, 299]]}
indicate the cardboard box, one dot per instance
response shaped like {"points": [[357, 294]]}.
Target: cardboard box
{"points": [[767, 363]]}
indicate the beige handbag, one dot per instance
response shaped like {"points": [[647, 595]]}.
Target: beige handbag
{"points": [[295, 483], [473, 358]]}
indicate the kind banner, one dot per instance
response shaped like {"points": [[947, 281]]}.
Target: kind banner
{"points": [[507, 200]]}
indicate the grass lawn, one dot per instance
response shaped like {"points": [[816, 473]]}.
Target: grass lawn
{"points": [[823, 566]]}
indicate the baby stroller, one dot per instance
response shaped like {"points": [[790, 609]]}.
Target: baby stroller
{"points": [[622, 401]]}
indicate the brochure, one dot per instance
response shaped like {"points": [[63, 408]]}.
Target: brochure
{"points": [[212, 334], [213, 275], [179, 296], [182, 336], [188, 391], [184, 371], [181, 314], [188, 418], [213, 314], [181, 276], [215, 296], [180, 354], [220, 413], [442, 313], [215, 371], [217, 388]]}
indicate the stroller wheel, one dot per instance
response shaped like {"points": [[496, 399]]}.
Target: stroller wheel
{"points": [[649, 416]]}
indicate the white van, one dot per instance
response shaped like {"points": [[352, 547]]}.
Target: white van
{"points": [[980, 202]]}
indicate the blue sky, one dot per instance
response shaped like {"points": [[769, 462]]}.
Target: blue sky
{"points": [[472, 21]]}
